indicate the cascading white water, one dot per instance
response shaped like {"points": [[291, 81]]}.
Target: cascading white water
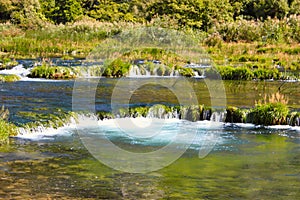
{"points": [[18, 70], [218, 116], [134, 71], [144, 71]]}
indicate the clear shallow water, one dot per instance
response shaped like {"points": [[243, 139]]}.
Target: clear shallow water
{"points": [[245, 163]]}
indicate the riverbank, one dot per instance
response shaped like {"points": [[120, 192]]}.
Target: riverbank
{"points": [[77, 40], [233, 60]]}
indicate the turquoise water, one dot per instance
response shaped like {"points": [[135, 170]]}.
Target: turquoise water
{"points": [[245, 161]]}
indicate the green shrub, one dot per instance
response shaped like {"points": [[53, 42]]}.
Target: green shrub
{"points": [[187, 72], [52, 72], [268, 114], [263, 74], [243, 73], [231, 73], [235, 115], [116, 69]]}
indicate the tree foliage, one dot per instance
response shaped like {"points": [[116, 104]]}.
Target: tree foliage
{"points": [[199, 14]]}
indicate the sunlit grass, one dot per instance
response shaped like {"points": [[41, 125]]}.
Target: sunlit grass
{"points": [[9, 78]]}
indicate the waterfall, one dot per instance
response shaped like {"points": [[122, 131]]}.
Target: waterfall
{"points": [[139, 71], [18, 70], [218, 116], [134, 71]]}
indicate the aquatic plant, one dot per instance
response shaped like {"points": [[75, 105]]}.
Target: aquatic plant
{"points": [[7, 129], [270, 110], [7, 63], [55, 120], [117, 68], [235, 115], [9, 78], [187, 72], [243, 73], [268, 114], [52, 72]]}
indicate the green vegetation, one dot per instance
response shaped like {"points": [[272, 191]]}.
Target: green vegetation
{"points": [[52, 72], [268, 114], [57, 119], [7, 63], [201, 14], [235, 115], [117, 68], [6, 129], [258, 38], [74, 27], [243, 73], [9, 78]]}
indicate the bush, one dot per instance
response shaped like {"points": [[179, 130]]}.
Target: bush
{"points": [[231, 73], [117, 68], [52, 72], [242, 73], [187, 72], [235, 115], [263, 74], [268, 114]]}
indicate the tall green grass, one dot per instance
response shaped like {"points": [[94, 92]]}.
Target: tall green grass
{"points": [[245, 73]]}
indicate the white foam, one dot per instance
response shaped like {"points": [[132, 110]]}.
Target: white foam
{"points": [[157, 130], [279, 127], [42, 133], [295, 128], [18, 70], [242, 125], [22, 72]]}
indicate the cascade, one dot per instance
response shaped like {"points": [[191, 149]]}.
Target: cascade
{"points": [[18, 70], [218, 116]]}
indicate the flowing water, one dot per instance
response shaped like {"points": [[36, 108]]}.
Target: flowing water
{"points": [[245, 162]]}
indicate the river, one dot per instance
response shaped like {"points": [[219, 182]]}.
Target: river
{"points": [[244, 162]]}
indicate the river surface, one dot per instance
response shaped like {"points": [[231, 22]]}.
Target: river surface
{"points": [[244, 162]]}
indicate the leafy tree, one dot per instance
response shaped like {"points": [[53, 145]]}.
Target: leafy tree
{"points": [[216, 11], [27, 13], [186, 12], [62, 11], [107, 10], [262, 9], [295, 7], [6, 8]]}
